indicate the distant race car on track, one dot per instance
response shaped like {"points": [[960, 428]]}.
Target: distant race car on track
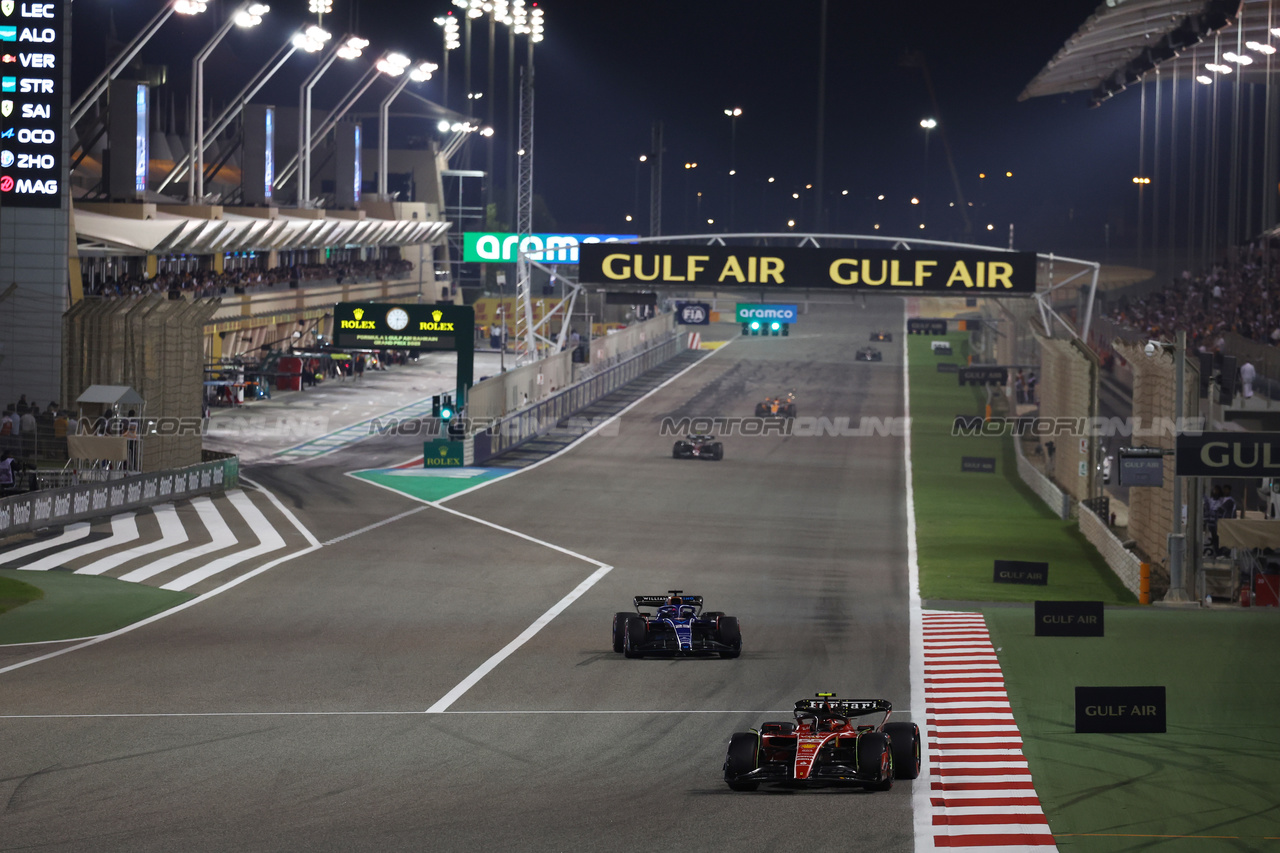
{"points": [[679, 628], [869, 354], [825, 746], [777, 407], [882, 336], [698, 446]]}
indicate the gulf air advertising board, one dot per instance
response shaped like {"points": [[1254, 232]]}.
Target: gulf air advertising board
{"points": [[31, 161]]}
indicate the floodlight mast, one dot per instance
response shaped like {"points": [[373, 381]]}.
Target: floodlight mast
{"points": [[349, 47], [247, 14], [420, 73], [99, 86], [311, 39]]}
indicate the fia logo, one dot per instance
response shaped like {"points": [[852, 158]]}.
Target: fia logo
{"points": [[6, 6], [359, 313], [6, 108]]}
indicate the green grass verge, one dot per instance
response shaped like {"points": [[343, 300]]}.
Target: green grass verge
{"points": [[966, 521], [1208, 784], [72, 606], [15, 593]]}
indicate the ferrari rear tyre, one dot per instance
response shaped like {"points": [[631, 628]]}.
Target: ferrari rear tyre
{"points": [[875, 758], [632, 636], [620, 629], [741, 760], [904, 740], [675, 451], [728, 632]]}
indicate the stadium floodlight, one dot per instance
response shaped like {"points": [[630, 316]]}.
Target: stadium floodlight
{"points": [[311, 39], [928, 123], [320, 7], [452, 41], [1217, 69], [394, 65], [190, 7], [422, 72], [252, 15], [1204, 78], [442, 126], [1259, 47], [1237, 58], [352, 48]]}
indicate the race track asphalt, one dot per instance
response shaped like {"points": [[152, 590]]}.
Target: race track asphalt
{"points": [[287, 712]]}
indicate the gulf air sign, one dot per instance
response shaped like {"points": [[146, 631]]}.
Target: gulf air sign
{"points": [[927, 271], [498, 247]]}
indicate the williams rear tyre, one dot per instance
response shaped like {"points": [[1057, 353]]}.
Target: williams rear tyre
{"points": [[741, 759], [875, 760], [620, 629], [632, 636], [730, 634], [675, 451], [904, 740]]}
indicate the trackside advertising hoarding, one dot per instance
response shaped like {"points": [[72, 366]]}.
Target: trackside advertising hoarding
{"points": [[502, 248], [933, 271], [746, 312]]}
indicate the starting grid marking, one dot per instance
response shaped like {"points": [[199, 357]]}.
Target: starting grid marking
{"points": [[980, 789]]}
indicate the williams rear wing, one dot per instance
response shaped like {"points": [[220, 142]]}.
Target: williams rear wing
{"points": [[660, 600]]}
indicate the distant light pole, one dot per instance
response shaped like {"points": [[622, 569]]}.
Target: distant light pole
{"points": [[635, 205], [733, 115], [245, 15], [449, 26], [689, 167], [928, 124]]}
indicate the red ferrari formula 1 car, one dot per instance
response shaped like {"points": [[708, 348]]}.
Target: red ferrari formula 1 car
{"points": [[825, 746]]}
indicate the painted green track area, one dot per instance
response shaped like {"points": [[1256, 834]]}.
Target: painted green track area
{"points": [[966, 521], [1208, 784], [430, 484], [79, 606]]}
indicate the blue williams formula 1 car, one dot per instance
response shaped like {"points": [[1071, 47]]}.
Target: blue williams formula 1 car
{"points": [[679, 628], [825, 746]]}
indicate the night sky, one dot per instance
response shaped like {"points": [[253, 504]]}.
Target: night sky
{"points": [[607, 71]]}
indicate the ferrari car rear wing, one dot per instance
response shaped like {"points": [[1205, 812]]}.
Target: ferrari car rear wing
{"points": [[845, 707]]}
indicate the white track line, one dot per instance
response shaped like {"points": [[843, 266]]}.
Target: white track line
{"points": [[467, 683], [220, 537], [124, 529], [268, 540], [71, 533], [921, 804], [591, 431], [534, 713], [171, 533]]}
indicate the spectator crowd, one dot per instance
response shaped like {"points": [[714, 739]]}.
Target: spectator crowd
{"points": [[202, 284], [1225, 298]]}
